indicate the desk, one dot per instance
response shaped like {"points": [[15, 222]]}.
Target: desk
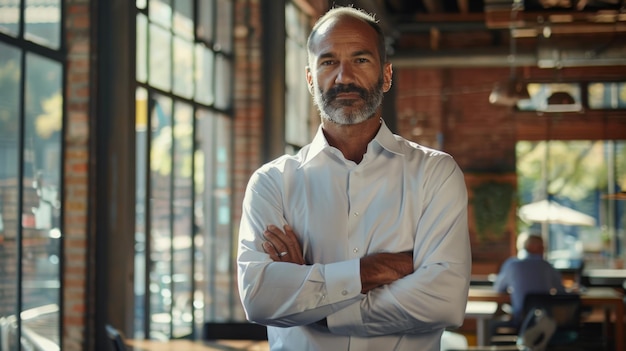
{"points": [[605, 277], [190, 345], [482, 311], [607, 298]]}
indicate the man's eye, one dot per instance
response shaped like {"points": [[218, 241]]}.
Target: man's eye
{"points": [[362, 60], [326, 63]]}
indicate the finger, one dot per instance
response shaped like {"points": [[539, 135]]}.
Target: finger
{"points": [[274, 230], [293, 245], [276, 237], [271, 250]]}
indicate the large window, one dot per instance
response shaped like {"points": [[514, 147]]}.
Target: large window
{"points": [[570, 191], [297, 97], [184, 244], [31, 128], [607, 95]]}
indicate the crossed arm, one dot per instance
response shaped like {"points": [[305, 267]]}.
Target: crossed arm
{"points": [[376, 269]]}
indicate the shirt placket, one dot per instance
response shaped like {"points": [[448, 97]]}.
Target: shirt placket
{"points": [[355, 241]]}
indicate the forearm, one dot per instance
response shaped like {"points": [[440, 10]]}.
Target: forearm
{"points": [[286, 294], [433, 297], [384, 268]]}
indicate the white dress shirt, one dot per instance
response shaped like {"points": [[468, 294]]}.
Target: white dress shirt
{"points": [[400, 197]]}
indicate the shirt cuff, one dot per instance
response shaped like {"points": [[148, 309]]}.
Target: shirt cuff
{"points": [[343, 282]]}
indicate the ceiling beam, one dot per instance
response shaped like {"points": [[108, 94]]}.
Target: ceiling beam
{"points": [[463, 6], [433, 6]]}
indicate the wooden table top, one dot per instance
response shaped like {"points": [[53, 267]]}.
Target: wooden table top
{"points": [[197, 345]]}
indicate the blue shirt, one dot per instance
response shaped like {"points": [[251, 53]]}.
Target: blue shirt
{"points": [[400, 197], [531, 274]]}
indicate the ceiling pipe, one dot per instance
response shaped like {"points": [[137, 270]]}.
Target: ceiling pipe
{"points": [[486, 58], [546, 57]]}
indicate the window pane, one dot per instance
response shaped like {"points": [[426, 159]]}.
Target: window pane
{"points": [[43, 22], [10, 75], [224, 26], [10, 17], [576, 175], [183, 18], [183, 221], [212, 218], [161, 12], [141, 171], [223, 82], [205, 20], [160, 218], [607, 95], [142, 48], [160, 58], [183, 67], [297, 97], [204, 75], [41, 216]]}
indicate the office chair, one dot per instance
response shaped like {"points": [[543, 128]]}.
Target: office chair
{"points": [[116, 338], [563, 311]]}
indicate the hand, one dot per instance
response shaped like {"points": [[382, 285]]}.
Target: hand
{"points": [[384, 268], [283, 247]]}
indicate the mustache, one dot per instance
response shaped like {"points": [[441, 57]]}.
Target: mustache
{"points": [[346, 88]]}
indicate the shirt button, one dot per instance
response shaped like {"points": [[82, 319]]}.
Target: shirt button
{"points": [[356, 214], [323, 297], [344, 293], [355, 250]]}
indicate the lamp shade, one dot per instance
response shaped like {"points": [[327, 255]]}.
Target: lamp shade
{"points": [[561, 98]]}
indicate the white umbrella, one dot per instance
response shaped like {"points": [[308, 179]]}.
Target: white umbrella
{"points": [[545, 211]]}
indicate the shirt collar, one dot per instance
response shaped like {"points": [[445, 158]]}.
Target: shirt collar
{"points": [[383, 138]]}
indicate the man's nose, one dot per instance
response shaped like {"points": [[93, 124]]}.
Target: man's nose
{"points": [[345, 74]]}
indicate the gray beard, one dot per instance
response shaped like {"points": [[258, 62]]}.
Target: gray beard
{"points": [[333, 110]]}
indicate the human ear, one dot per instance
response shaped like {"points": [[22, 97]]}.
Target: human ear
{"points": [[309, 79], [387, 74]]}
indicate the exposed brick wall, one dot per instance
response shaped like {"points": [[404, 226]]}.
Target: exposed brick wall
{"points": [[76, 174], [449, 109], [248, 112]]}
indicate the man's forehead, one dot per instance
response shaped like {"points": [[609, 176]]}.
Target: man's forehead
{"points": [[341, 21], [326, 33]]}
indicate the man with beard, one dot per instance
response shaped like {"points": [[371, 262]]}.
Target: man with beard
{"points": [[360, 240]]}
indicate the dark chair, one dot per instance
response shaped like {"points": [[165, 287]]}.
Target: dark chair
{"points": [[234, 331], [116, 338], [564, 309]]}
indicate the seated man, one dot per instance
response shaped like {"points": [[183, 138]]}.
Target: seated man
{"points": [[527, 273]]}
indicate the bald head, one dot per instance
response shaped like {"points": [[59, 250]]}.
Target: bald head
{"points": [[534, 245], [348, 13]]}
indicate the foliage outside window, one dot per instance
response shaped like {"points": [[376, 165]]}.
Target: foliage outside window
{"points": [[578, 175]]}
